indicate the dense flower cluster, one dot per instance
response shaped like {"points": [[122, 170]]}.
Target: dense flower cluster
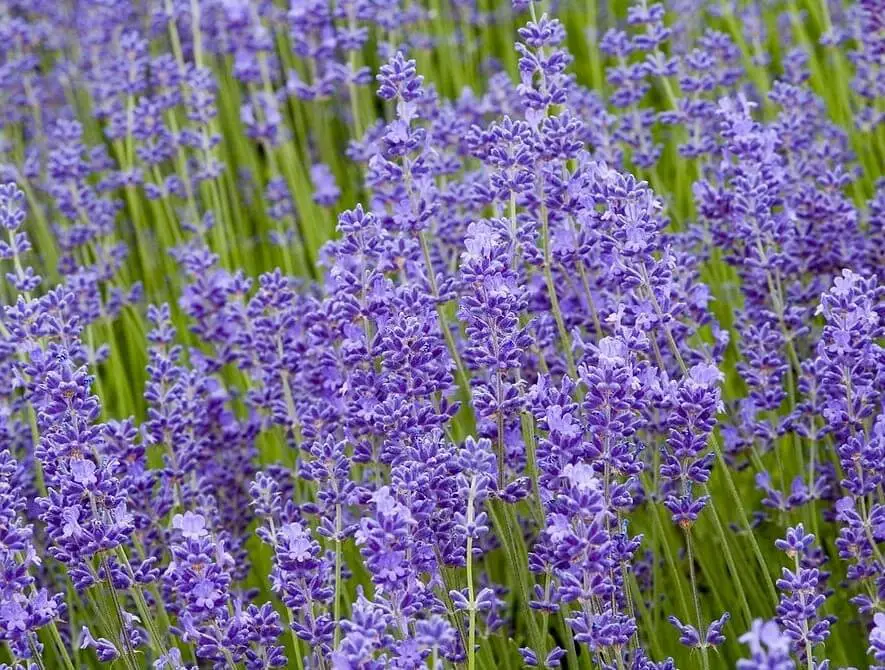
{"points": [[551, 350]]}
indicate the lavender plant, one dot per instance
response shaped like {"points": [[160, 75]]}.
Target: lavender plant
{"points": [[451, 334]]}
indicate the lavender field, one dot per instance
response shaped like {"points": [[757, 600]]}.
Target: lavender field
{"points": [[447, 334]]}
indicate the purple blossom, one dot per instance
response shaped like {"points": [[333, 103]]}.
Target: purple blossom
{"points": [[769, 648], [104, 648], [502, 363], [802, 596], [326, 191], [877, 638], [25, 607], [686, 462]]}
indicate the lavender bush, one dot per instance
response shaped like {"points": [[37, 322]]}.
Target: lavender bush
{"points": [[368, 334]]}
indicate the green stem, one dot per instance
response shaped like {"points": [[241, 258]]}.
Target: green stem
{"points": [[809, 659], [717, 448], [697, 604], [35, 651], [729, 557], [504, 521], [156, 639], [337, 605], [471, 614], [128, 652], [60, 645], [551, 292], [463, 377]]}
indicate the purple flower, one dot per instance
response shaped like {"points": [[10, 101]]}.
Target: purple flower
{"points": [[25, 606], [399, 79], [325, 190], [17, 243], [192, 526], [170, 661], [877, 638], [802, 596], [769, 647], [497, 341], [104, 648], [384, 541], [686, 462], [689, 636]]}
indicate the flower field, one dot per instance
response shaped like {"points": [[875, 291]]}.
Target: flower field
{"points": [[475, 334]]}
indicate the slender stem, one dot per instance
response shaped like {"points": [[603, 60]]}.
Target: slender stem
{"points": [[809, 659], [448, 585], [551, 292], [729, 558], [352, 90], [296, 642], [597, 326], [527, 424], [669, 557], [35, 651], [742, 516], [471, 614], [717, 448], [337, 605], [504, 520], [463, 378], [143, 609], [868, 529], [60, 645], [129, 653], [697, 604]]}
